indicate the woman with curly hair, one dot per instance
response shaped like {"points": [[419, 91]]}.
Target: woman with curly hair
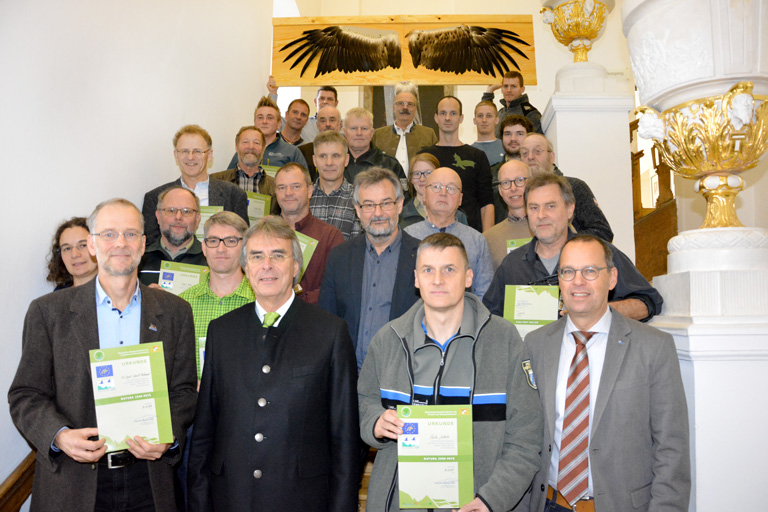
{"points": [[70, 263]]}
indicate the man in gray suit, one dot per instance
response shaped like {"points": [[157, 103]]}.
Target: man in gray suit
{"points": [[51, 397], [616, 421]]}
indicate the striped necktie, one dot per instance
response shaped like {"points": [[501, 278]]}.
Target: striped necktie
{"points": [[573, 472]]}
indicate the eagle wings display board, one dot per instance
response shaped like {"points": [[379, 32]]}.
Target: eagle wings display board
{"points": [[382, 50]]}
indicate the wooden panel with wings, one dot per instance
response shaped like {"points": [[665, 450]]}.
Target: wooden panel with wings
{"points": [[383, 50]]}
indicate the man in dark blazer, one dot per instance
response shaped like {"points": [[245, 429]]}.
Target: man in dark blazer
{"points": [[276, 423], [369, 279], [51, 397], [193, 151], [619, 440]]}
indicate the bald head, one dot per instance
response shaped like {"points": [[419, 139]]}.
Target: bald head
{"points": [[328, 118], [512, 178], [442, 202]]}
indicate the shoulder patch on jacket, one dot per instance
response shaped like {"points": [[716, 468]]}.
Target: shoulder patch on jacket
{"points": [[529, 373]]}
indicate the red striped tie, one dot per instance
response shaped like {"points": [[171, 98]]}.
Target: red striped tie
{"points": [[573, 473]]}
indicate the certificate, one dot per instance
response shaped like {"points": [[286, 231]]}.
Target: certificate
{"points": [[258, 205], [206, 212], [516, 242], [270, 170], [530, 307], [434, 456], [131, 394], [200, 355], [308, 246], [177, 277]]}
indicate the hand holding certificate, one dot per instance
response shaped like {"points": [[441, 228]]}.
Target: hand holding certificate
{"points": [[434, 454], [131, 395]]}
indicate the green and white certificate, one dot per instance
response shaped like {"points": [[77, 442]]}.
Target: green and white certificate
{"points": [[516, 242], [530, 307], [176, 277], [258, 205], [308, 246], [206, 212], [270, 170], [200, 355], [131, 394], [434, 456]]}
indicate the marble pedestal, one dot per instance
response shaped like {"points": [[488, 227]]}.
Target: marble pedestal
{"points": [[716, 307]]}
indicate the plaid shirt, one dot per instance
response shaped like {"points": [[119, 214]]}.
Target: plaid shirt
{"points": [[207, 306], [337, 209], [250, 183]]}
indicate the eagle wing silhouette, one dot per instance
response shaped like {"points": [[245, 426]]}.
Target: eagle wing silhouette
{"points": [[465, 48], [346, 49]]}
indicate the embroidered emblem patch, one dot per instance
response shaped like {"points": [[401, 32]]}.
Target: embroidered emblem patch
{"points": [[529, 373]]}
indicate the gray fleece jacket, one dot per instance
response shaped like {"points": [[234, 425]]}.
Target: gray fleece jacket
{"points": [[507, 416]]}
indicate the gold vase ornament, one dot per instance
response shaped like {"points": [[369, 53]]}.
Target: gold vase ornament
{"points": [[711, 140], [576, 24]]}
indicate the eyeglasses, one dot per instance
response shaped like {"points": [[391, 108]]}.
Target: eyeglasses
{"points": [[230, 241], [111, 236], [171, 211], [402, 104], [371, 207], [588, 273], [420, 174], [438, 187], [536, 151], [66, 249], [194, 152], [260, 257], [519, 181]]}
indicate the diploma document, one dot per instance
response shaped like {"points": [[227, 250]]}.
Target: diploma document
{"points": [[177, 277], [131, 394], [206, 212], [434, 456], [308, 246], [530, 307], [258, 205]]}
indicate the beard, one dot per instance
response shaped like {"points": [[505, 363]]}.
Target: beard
{"points": [[118, 272], [177, 240], [380, 232]]}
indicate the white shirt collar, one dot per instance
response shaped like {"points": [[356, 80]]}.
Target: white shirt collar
{"points": [[282, 310]]}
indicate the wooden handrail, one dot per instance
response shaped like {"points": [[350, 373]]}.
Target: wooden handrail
{"points": [[15, 490]]}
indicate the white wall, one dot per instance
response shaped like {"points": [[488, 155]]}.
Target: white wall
{"points": [[91, 95]]}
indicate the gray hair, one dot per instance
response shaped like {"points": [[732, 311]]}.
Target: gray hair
{"points": [[225, 219], [161, 197], [276, 227], [91, 222], [374, 175]]}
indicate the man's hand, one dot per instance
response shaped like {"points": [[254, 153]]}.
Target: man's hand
{"points": [[272, 85], [74, 442], [388, 425], [493, 88], [476, 505], [144, 450]]}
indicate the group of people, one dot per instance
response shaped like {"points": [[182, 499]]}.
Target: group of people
{"points": [[401, 303]]}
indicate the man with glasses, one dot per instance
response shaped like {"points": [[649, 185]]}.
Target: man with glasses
{"points": [[294, 188], [513, 129], [441, 200], [193, 153], [549, 203], [538, 153], [369, 279], [178, 215], [512, 178], [615, 414], [469, 163], [276, 421], [51, 397], [404, 139]]}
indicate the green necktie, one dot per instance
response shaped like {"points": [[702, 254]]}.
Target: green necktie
{"points": [[270, 319]]}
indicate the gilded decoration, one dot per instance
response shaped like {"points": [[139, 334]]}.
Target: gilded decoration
{"points": [[576, 24], [711, 139]]}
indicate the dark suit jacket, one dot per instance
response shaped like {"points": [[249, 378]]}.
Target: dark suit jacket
{"points": [[638, 444], [341, 291], [304, 370], [220, 193], [308, 150], [52, 388]]}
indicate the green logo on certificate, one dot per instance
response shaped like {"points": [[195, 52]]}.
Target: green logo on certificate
{"points": [[434, 456]]}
